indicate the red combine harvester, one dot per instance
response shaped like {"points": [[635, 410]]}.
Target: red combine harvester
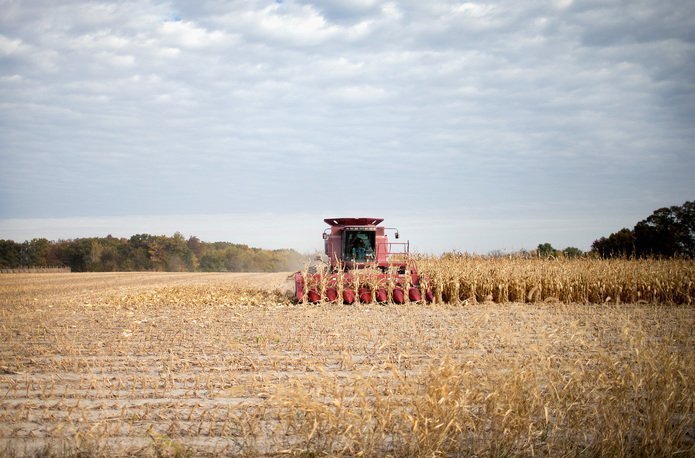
{"points": [[362, 262]]}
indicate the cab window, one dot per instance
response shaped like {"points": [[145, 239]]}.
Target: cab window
{"points": [[359, 246]]}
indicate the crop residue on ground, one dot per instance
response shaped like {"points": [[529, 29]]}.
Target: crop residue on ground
{"points": [[176, 364]]}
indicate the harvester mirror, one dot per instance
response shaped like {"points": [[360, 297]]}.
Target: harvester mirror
{"points": [[397, 234], [325, 236]]}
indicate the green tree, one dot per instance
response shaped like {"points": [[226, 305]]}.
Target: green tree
{"points": [[10, 254], [545, 250], [619, 244], [667, 232], [78, 255], [36, 252], [146, 252], [572, 252], [196, 246], [139, 252], [179, 257], [213, 261], [109, 259]]}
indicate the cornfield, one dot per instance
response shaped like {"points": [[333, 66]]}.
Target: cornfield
{"points": [[155, 364], [457, 279], [464, 279]]}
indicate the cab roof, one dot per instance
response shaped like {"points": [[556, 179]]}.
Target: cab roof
{"points": [[353, 221]]}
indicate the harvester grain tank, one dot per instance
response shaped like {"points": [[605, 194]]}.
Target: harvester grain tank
{"points": [[363, 264]]}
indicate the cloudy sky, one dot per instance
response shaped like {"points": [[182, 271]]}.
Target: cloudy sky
{"points": [[469, 125]]}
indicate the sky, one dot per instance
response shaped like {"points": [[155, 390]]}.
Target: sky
{"points": [[470, 126]]}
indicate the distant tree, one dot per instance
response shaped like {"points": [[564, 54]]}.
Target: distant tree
{"points": [[178, 256], [10, 254], [195, 245], [667, 232], [139, 252], [96, 249], [53, 257], [109, 258], [620, 244], [59, 252], [545, 250], [524, 253], [78, 255], [35, 253], [572, 252], [213, 261], [146, 252], [685, 215]]}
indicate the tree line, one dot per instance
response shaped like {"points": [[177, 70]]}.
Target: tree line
{"points": [[667, 232], [145, 252]]}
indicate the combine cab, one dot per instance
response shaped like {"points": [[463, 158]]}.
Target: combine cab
{"points": [[362, 265]]}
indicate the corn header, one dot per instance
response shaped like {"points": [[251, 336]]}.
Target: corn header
{"points": [[363, 265]]}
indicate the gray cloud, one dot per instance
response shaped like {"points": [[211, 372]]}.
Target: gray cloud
{"points": [[454, 110]]}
